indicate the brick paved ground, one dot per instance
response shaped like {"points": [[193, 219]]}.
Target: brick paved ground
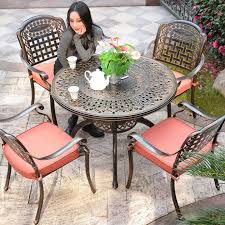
{"points": [[68, 199]]}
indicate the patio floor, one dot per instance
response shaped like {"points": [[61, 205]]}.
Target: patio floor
{"points": [[68, 198]]}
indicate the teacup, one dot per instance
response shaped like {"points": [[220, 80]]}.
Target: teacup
{"points": [[72, 60], [73, 90]]}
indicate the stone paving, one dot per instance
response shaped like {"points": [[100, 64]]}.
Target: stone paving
{"points": [[21, 4], [68, 199]]}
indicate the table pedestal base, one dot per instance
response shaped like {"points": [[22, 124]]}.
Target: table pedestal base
{"points": [[113, 127], [115, 182]]}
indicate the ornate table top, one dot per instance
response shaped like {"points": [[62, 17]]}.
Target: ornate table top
{"points": [[150, 86]]}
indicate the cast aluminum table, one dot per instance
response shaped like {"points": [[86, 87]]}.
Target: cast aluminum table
{"points": [[116, 109]]}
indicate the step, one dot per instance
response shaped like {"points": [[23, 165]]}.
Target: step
{"points": [[20, 4]]}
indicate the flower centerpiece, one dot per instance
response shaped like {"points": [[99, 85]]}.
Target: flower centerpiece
{"points": [[115, 58]]}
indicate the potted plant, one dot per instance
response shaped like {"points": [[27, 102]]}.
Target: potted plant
{"points": [[115, 58]]}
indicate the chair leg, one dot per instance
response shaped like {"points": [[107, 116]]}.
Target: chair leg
{"points": [[52, 104], [40, 203], [131, 168], [193, 99], [87, 168], [8, 177], [216, 181], [169, 110], [32, 91], [174, 197], [217, 184]]}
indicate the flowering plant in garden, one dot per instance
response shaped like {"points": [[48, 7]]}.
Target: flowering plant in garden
{"points": [[116, 58], [210, 16]]}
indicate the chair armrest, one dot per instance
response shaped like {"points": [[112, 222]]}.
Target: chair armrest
{"points": [[42, 74], [61, 150], [24, 112], [185, 104], [148, 145], [146, 51], [194, 71]]}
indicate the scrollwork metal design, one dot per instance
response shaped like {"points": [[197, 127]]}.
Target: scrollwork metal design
{"points": [[121, 126], [16, 146], [179, 43], [150, 86], [196, 141], [182, 9]]}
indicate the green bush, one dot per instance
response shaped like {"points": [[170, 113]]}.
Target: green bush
{"points": [[210, 16]]}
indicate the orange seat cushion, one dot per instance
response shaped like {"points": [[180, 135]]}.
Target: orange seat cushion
{"points": [[168, 136], [41, 141], [48, 68], [184, 85]]}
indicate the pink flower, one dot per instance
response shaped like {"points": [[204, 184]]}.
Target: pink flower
{"points": [[215, 44], [196, 7], [115, 38], [113, 45], [123, 48], [219, 13], [222, 50], [196, 18], [201, 25], [209, 35], [211, 67], [209, 24]]}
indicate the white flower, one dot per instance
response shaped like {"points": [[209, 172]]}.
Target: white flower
{"points": [[135, 55], [102, 44]]}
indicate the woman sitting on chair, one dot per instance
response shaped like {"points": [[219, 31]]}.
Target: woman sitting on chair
{"points": [[79, 39]]}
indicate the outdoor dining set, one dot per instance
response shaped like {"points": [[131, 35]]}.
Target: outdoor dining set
{"points": [[167, 69]]}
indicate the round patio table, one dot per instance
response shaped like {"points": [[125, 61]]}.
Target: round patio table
{"points": [[149, 86]]}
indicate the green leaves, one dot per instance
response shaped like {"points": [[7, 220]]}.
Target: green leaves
{"points": [[214, 216], [209, 14], [114, 62], [211, 165]]}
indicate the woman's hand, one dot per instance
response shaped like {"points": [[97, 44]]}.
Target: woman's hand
{"points": [[81, 31]]}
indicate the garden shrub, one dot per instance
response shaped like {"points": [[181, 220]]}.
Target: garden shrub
{"points": [[210, 16]]}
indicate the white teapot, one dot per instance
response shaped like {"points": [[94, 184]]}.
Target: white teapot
{"points": [[96, 79]]}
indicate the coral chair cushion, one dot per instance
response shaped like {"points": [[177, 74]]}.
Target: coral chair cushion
{"points": [[168, 136], [184, 85], [40, 141], [48, 68]]}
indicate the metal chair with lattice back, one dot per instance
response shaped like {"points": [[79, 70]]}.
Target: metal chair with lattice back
{"points": [[168, 145], [39, 39], [41, 150], [179, 45]]}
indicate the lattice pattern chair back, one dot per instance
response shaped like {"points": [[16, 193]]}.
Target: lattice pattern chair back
{"points": [[180, 43], [39, 38], [196, 141], [19, 149]]}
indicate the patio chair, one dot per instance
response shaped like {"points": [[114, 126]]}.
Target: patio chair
{"points": [[41, 150], [179, 45], [169, 143], [39, 39]]}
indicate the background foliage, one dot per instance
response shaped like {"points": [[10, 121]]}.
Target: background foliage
{"points": [[210, 16]]}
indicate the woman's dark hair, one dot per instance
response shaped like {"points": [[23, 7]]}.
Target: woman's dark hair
{"points": [[85, 15]]}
